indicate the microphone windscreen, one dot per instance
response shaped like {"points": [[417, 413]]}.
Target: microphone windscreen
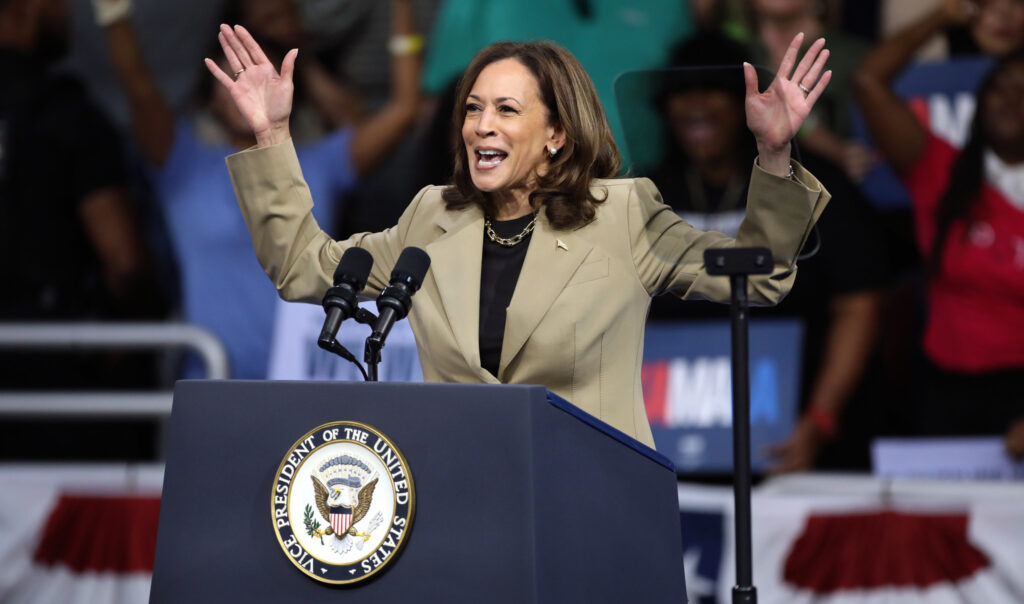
{"points": [[411, 267], [354, 267]]}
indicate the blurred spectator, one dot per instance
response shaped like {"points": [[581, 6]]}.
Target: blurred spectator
{"points": [[704, 177], [994, 27], [969, 220], [898, 14], [607, 36], [223, 286], [68, 232], [351, 38], [426, 157], [708, 15], [987, 27], [827, 131]]}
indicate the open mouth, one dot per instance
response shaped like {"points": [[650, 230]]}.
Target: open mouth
{"points": [[489, 158]]}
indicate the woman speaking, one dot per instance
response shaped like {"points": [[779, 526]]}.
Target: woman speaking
{"points": [[542, 262]]}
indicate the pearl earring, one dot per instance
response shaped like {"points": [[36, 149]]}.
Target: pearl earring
{"points": [[553, 150]]}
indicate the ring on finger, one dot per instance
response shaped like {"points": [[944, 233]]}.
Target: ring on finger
{"points": [[800, 86], [239, 72]]}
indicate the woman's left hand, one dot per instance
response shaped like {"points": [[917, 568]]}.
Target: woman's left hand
{"points": [[775, 115]]}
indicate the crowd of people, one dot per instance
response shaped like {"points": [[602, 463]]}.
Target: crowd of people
{"points": [[913, 313]]}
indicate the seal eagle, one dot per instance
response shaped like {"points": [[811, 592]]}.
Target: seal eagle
{"points": [[363, 500]]}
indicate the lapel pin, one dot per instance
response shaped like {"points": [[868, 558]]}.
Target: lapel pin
{"points": [[561, 244]]}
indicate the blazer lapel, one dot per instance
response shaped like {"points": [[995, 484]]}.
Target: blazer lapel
{"points": [[455, 261], [550, 262]]}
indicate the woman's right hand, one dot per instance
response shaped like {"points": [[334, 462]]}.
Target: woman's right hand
{"points": [[263, 96]]}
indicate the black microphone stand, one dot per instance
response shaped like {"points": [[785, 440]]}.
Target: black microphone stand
{"points": [[371, 353], [738, 264], [331, 345]]}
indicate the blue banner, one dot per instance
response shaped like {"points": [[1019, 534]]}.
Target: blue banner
{"points": [[687, 381]]}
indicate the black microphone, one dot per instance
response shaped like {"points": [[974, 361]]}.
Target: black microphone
{"points": [[340, 300], [395, 301]]}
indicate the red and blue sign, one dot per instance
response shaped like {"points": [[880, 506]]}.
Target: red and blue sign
{"points": [[687, 382]]}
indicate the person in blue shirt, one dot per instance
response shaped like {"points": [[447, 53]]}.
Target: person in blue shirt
{"points": [[223, 287]]}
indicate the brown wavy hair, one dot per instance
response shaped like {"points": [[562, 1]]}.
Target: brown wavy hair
{"points": [[572, 103]]}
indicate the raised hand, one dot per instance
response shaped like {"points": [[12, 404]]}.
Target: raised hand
{"points": [[263, 96], [959, 12], [775, 115], [797, 454]]}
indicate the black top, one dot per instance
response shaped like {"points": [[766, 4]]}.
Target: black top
{"points": [[499, 273]]}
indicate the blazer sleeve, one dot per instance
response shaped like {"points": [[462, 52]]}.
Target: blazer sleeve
{"points": [[292, 249], [669, 253]]}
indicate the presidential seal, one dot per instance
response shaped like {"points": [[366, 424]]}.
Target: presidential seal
{"points": [[342, 502]]}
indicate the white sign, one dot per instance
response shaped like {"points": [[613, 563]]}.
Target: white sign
{"points": [[294, 354], [952, 458]]}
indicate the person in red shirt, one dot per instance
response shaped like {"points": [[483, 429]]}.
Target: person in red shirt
{"points": [[969, 220]]}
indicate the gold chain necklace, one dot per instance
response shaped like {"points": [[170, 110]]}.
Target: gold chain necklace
{"points": [[509, 241]]}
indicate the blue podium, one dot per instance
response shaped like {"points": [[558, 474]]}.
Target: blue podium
{"points": [[519, 497]]}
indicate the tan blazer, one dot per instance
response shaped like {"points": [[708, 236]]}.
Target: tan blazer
{"points": [[576, 320]]}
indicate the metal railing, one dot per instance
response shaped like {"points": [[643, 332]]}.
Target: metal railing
{"points": [[70, 336]]}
